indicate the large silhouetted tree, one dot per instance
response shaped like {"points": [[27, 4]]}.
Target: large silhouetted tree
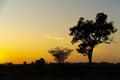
{"points": [[91, 33], [60, 54]]}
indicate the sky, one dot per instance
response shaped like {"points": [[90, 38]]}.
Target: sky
{"points": [[29, 28]]}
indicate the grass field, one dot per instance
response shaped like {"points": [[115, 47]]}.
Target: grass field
{"points": [[60, 72]]}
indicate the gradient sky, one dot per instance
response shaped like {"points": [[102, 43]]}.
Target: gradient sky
{"points": [[29, 28]]}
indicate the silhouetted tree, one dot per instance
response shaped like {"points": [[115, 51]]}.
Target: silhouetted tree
{"points": [[91, 33], [60, 54]]}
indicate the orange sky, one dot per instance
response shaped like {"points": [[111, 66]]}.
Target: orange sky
{"points": [[28, 29]]}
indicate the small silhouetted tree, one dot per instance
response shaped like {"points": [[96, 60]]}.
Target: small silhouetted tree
{"points": [[60, 54], [91, 33]]}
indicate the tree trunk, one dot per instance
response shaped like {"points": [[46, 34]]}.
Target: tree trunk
{"points": [[90, 56]]}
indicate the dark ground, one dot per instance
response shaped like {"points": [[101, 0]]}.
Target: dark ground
{"points": [[60, 72]]}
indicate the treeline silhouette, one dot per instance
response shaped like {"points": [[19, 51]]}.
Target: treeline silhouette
{"points": [[60, 71]]}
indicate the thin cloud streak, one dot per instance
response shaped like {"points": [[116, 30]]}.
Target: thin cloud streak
{"points": [[55, 38]]}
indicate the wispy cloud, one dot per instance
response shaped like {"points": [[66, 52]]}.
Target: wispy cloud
{"points": [[56, 38]]}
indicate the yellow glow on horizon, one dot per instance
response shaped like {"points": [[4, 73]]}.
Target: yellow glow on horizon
{"points": [[2, 56]]}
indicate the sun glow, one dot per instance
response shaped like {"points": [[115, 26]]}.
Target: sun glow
{"points": [[2, 57]]}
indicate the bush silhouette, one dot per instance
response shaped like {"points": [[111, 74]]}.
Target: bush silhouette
{"points": [[24, 62], [41, 61]]}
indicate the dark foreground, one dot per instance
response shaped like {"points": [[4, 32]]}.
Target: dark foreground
{"points": [[60, 72]]}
